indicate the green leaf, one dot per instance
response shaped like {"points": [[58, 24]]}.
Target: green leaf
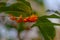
{"points": [[25, 2], [56, 24], [46, 27], [17, 13], [19, 7], [51, 16], [2, 4], [44, 33]]}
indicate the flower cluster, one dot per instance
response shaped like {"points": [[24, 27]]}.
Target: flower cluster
{"points": [[19, 19]]}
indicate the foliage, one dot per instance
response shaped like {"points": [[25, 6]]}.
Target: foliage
{"points": [[20, 7], [46, 27]]}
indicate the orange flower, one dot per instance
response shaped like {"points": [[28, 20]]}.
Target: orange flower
{"points": [[26, 19], [10, 14], [13, 18], [33, 18], [19, 19]]}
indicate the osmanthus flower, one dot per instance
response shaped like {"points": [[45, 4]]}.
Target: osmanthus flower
{"points": [[32, 18], [12, 17], [19, 19], [26, 19]]}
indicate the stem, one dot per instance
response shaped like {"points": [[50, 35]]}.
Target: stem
{"points": [[18, 35]]}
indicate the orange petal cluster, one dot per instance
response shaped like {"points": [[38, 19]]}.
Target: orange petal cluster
{"points": [[31, 18], [12, 17], [19, 19]]}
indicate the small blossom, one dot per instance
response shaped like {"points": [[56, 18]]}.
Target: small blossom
{"points": [[13, 18], [33, 18], [26, 19], [20, 19]]}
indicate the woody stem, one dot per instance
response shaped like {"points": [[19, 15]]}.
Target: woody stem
{"points": [[18, 35]]}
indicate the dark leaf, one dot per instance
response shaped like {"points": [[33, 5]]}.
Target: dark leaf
{"points": [[51, 16], [18, 8], [56, 24], [2, 4], [46, 27]]}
